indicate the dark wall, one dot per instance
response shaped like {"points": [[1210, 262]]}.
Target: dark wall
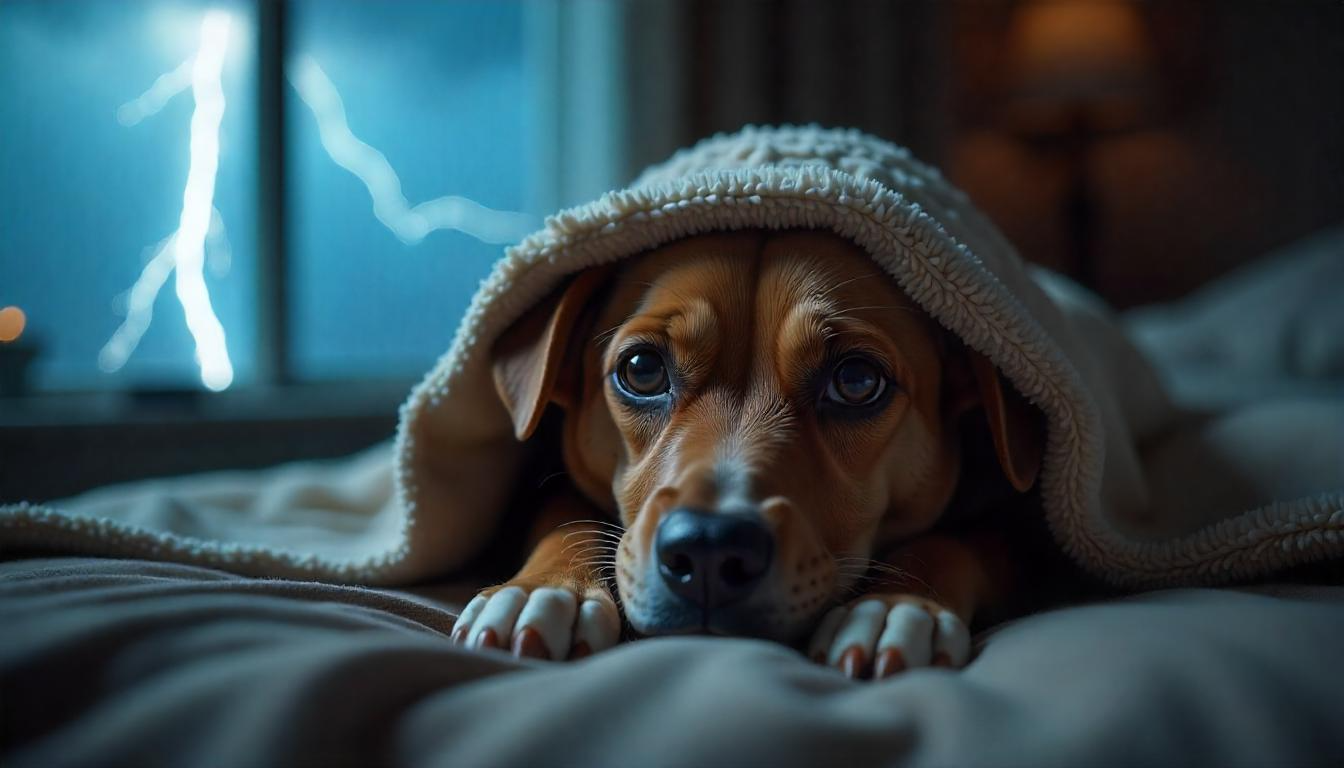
{"points": [[1242, 152], [702, 67]]}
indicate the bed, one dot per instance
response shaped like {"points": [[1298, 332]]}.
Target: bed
{"points": [[117, 662], [120, 661]]}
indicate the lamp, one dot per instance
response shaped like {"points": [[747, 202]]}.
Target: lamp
{"points": [[1077, 70], [16, 353]]}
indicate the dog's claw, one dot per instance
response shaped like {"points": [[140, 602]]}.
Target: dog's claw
{"points": [[543, 622], [894, 632], [487, 639], [889, 662], [852, 663], [527, 643], [467, 619]]}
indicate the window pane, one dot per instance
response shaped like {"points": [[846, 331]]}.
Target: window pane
{"points": [[92, 183], [395, 112]]}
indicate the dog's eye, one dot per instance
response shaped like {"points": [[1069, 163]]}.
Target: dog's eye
{"points": [[642, 373], [856, 381]]}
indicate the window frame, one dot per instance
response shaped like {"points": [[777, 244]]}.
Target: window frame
{"points": [[574, 52], [101, 435]]}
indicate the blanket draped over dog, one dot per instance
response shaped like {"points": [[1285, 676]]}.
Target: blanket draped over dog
{"points": [[1131, 488]]}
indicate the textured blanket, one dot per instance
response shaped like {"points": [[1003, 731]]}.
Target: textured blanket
{"points": [[113, 662], [1130, 490]]}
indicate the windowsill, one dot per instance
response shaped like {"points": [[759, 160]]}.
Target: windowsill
{"points": [[56, 445], [124, 408]]}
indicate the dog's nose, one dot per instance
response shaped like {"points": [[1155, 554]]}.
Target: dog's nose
{"points": [[710, 559]]}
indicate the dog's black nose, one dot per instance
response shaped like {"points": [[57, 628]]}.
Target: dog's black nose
{"points": [[712, 560]]}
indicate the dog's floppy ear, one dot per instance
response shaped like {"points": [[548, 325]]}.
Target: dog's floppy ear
{"points": [[1015, 425], [1016, 428], [529, 357]]}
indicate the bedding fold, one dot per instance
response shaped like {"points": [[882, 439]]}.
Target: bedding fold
{"points": [[113, 662]]}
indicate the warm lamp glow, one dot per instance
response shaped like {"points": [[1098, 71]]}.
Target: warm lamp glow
{"points": [[1080, 54], [12, 321]]}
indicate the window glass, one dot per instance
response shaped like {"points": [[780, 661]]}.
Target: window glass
{"points": [[112, 139], [408, 150]]}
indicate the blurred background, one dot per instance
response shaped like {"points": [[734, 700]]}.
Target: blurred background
{"points": [[235, 232]]}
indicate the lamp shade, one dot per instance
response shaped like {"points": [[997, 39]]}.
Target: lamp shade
{"points": [[1066, 56]]}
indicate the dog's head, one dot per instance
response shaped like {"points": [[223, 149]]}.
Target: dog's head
{"points": [[762, 411]]}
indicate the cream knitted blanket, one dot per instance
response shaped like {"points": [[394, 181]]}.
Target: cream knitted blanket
{"points": [[1130, 490]]}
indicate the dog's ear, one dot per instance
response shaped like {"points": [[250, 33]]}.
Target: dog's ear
{"points": [[529, 359], [1016, 426]]}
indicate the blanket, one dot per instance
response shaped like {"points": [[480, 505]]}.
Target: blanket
{"points": [[112, 662], [1129, 490]]}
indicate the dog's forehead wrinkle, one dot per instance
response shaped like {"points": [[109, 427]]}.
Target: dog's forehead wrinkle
{"points": [[798, 347]]}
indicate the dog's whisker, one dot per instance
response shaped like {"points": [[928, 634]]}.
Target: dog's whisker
{"points": [[877, 567], [583, 554], [897, 307], [590, 551], [605, 336], [595, 548], [603, 545], [875, 573], [884, 568], [594, 534], [589, 546], [887, 582], [606, 523], [606, 538], [851, 574], [551, 477], [592, 538], [868, 561], [826, 293], [592, 559]]}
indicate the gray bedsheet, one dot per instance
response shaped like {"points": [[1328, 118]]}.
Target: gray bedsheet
{"points": [[115, 662]]}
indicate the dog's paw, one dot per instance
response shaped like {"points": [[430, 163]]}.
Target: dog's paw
{"points": [[880, 635], [540, 621]]}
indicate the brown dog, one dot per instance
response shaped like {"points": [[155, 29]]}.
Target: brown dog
{"points": [[750, 419]]}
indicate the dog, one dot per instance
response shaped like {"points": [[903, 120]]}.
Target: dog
{"points": [[763, 436]]}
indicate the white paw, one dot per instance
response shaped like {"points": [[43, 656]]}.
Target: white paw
{"points": [[541, 622], [880, 635]]}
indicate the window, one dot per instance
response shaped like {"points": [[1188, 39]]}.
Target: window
{"points": [[408, 74], [94, 165], [153, 196]]}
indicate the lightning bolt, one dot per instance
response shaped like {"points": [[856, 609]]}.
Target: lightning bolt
{"points": [[200, 228], [410, 225], [183, 252], [198, 202], [159, 94]]}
